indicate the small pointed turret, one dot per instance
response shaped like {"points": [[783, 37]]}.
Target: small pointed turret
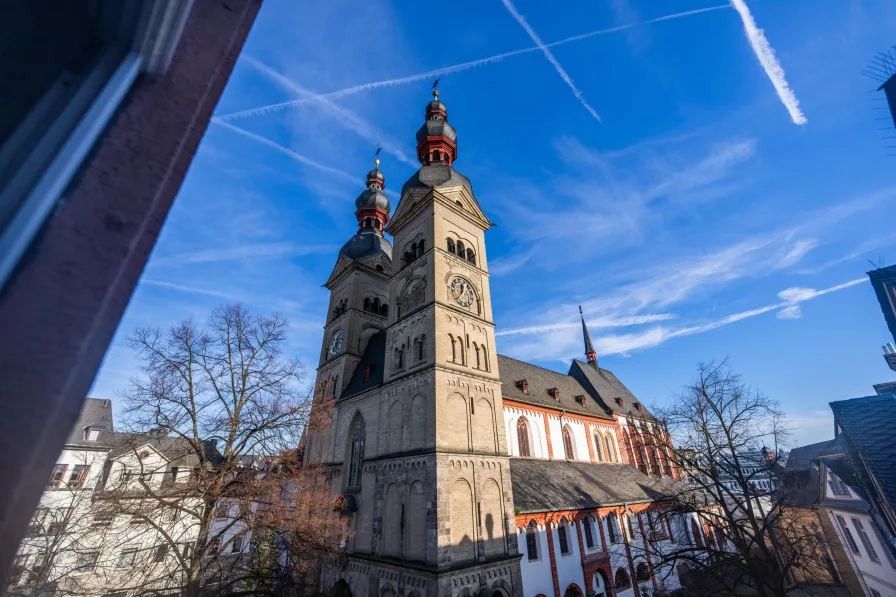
{"points": [[436, 139], [589, 348], [373, 205]]}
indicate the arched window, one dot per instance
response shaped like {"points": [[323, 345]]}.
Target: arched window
{"points": [[421, 354], [598, 446], [367, 303], [642, 572], [611, 527], [695, 532], [460, 250], [532, 541], [356, 452], [562, 538], [399, 358], [611, 450], [384, 310], [436, 156], [476, 350], [622, 580], [420, 249], [522, 434], [453, 348], [451, 247], [375, 307], [567, 444], [589, 533], [471, 256]]}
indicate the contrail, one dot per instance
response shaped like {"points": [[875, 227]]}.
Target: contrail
{"points": [[447, 70], [547, 54], [296, 156], [354, 122], [766, 55]]}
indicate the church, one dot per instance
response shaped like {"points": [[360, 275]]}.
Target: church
{"points": [[464, 472]]}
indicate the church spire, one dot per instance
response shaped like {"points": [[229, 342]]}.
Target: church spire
{"points": [[589, 348], [436, 139], [373, 205]]}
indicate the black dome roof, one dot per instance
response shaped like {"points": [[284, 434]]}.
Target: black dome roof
{"points": [[365, 244], [372, 198], [436, 128]]}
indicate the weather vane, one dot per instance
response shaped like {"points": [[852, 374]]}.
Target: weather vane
{"points": [[379, 148], [435, 87]]}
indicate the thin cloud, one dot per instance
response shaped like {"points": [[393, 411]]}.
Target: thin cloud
{"points": [[285, 150], [255, 250], [791, 312], [799, 294], [456, 68], [766, 55], [505, 265], [799, 250], [352, 121], [550, 56], [192, 289], [592, 324]]}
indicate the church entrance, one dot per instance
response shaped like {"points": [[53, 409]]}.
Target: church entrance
{"points": [[341, 589]]}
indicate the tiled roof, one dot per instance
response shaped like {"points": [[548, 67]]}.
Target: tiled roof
{"points": [[375, 357], [540, 380], [867, 428], [177, 450], [607, 388], [552, 485], [96, 412]]}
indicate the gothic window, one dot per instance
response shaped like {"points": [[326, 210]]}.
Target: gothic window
{"points": [[522, 433], [598, 446], [589, 534], [532, 541], [567, 444], [398, 358], [420, 249], [453, 349], [562, 538], [461, 252], [420, 351], [451, 247], [356, 452], [611, 527], [611, 451], [622, 580], [476, 350], [471, 257]]}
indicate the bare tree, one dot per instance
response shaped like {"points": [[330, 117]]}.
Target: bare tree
{"points": [[210, 469], [731, 521]]}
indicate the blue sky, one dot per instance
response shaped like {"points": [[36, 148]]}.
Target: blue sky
{"points": [[703, 190]]}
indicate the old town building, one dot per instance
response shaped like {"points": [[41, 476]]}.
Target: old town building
{"points": [[465, 472]]}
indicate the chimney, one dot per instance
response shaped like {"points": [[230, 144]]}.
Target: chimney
{"points": [[890, 355]]}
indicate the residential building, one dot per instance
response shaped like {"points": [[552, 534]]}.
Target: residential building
{"points": [[465, 472], [104, 105], [854, 552]]}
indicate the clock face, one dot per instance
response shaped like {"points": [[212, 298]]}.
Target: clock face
{"points": [[336, 343], [462, 292]]}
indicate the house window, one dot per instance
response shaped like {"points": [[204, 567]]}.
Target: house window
{"points": [[160, 553], [837, 486], [58, 475], [562, 538], [532, 541], [37, 523], [58, 521], [91, 434], [642, 572], [237, 545], [848, 534], [86, 562], [866, 540], [17, 571], [567, 444], [222, 510], [79, 475], [589, 534], [622, 580], [127, 558], [356, 453], [522, 432]]}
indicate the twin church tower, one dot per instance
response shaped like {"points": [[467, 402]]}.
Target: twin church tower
{"points": [[416, 441]]}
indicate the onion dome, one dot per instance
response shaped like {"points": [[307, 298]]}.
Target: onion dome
{"points": [[372, 205], [436, 139], [364, 244]]}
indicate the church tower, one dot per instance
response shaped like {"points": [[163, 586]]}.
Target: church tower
{"points": [[417, 443]]}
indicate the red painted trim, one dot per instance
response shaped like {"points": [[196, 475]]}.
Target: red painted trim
{"points": [[547, 434], [553, 558]]}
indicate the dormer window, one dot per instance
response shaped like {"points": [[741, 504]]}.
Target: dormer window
{"points": [[638, 406], [619, 402], [523, 385], [580, 399], [92, 433], [555, 393]]}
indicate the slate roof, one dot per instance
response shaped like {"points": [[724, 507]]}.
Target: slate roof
{"points": [[541, 380], [177, 450], [800, 459], [867, 428], [551, 485], [606, 387], [365, 244], [888, 387], [375, 356], [435, 176], [96, 412]]}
